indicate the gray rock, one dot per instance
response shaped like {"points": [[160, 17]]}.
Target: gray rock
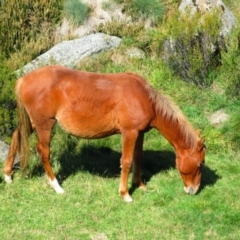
{"points": [[135, 53], [4, 151], [70, 53], [228, 20], [219, 117]]}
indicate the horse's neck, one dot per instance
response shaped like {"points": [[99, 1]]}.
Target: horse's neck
{"points": [[171, 130]]}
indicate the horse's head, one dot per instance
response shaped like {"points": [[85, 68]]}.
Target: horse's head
{"points": [[189, 163]]}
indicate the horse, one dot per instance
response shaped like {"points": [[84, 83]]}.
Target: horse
{"points": [[93, 105]]}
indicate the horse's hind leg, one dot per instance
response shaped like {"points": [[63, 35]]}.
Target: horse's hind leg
{"points": [[137, 162], [13, 149], [43, 147]]}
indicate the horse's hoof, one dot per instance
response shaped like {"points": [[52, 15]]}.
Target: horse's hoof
{"points": [[59, 191], [127, 199], [142, 187], [7, 178], [55, 185]]}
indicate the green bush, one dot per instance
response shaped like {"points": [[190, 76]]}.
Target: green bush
{"points": [[147, 10], [25, 20], [191, 45], [151, 9], [121, 28], [230, 69], [76, 11], [7, 101]]}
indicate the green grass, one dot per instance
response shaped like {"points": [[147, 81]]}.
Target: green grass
{"points": [[91, 205], [76, 11]]}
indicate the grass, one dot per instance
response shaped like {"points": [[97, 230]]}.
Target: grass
{"points": [[91, 206], [89, 173], [76, 11]]}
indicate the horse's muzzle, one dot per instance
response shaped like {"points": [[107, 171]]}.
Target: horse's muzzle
{"points": [[191, 190]]}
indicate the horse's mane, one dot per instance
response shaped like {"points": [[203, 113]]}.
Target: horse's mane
{"points": [[171, 111]]}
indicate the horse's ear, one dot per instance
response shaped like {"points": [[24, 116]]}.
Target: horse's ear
{"points": [[201, 144], [198, 132]]}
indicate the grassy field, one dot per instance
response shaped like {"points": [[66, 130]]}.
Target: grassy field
{"points": [[89, 173]]}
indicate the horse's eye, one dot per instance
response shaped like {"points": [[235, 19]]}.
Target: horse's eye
{"points": [[200, 164]]}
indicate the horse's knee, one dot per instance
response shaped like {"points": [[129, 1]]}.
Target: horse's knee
{"points": [[126, 164]]}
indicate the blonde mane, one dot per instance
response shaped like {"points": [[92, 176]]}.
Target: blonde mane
{"points": [[171, 111]]}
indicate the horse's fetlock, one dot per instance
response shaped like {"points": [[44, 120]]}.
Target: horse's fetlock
{"points": [[8, 178]]}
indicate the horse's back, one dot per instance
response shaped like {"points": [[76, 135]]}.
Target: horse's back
{"points": [[84, 103]]}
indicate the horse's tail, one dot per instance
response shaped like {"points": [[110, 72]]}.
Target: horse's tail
{"points": [[24, 128]]}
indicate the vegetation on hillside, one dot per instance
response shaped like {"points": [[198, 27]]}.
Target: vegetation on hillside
{"points": [[76, 11]]}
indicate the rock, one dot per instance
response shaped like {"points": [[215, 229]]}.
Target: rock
{"points": [[4, 151], [219, 117], [100, 236], [135, 53], [70, 53], [228, 20], [98, 15]]}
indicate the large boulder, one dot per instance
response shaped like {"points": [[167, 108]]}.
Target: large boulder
{"points": [[70, 53]]}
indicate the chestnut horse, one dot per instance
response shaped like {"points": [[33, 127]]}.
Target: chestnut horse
{"points": [[92, 105]]}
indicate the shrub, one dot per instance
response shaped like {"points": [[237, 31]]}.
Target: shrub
{"points": [[25, 20], [190, 44], [151, 9], [76, 11], [121, 28], [230, 69], [7, 101], [147, 10]]}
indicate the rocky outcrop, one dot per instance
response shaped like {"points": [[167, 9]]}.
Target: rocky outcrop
{"points": [[98, 15], [228, 19], [70, 53]]}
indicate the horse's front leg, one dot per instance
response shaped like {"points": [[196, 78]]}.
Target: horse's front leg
{"points": [[137, 162], [13, 149], [43, 148], [128, 145]]}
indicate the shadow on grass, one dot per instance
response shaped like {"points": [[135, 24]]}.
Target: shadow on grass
{"points": [[105, 162], [209, 178]]}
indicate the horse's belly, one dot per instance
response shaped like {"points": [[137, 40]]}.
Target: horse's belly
{"points": [[89, 127]]}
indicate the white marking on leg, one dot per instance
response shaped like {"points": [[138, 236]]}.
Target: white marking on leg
{"points": [[7, 178], [55, 185], [127, 198]]}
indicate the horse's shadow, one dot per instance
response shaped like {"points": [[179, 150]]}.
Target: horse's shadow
{"points": [[105, 162]]}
